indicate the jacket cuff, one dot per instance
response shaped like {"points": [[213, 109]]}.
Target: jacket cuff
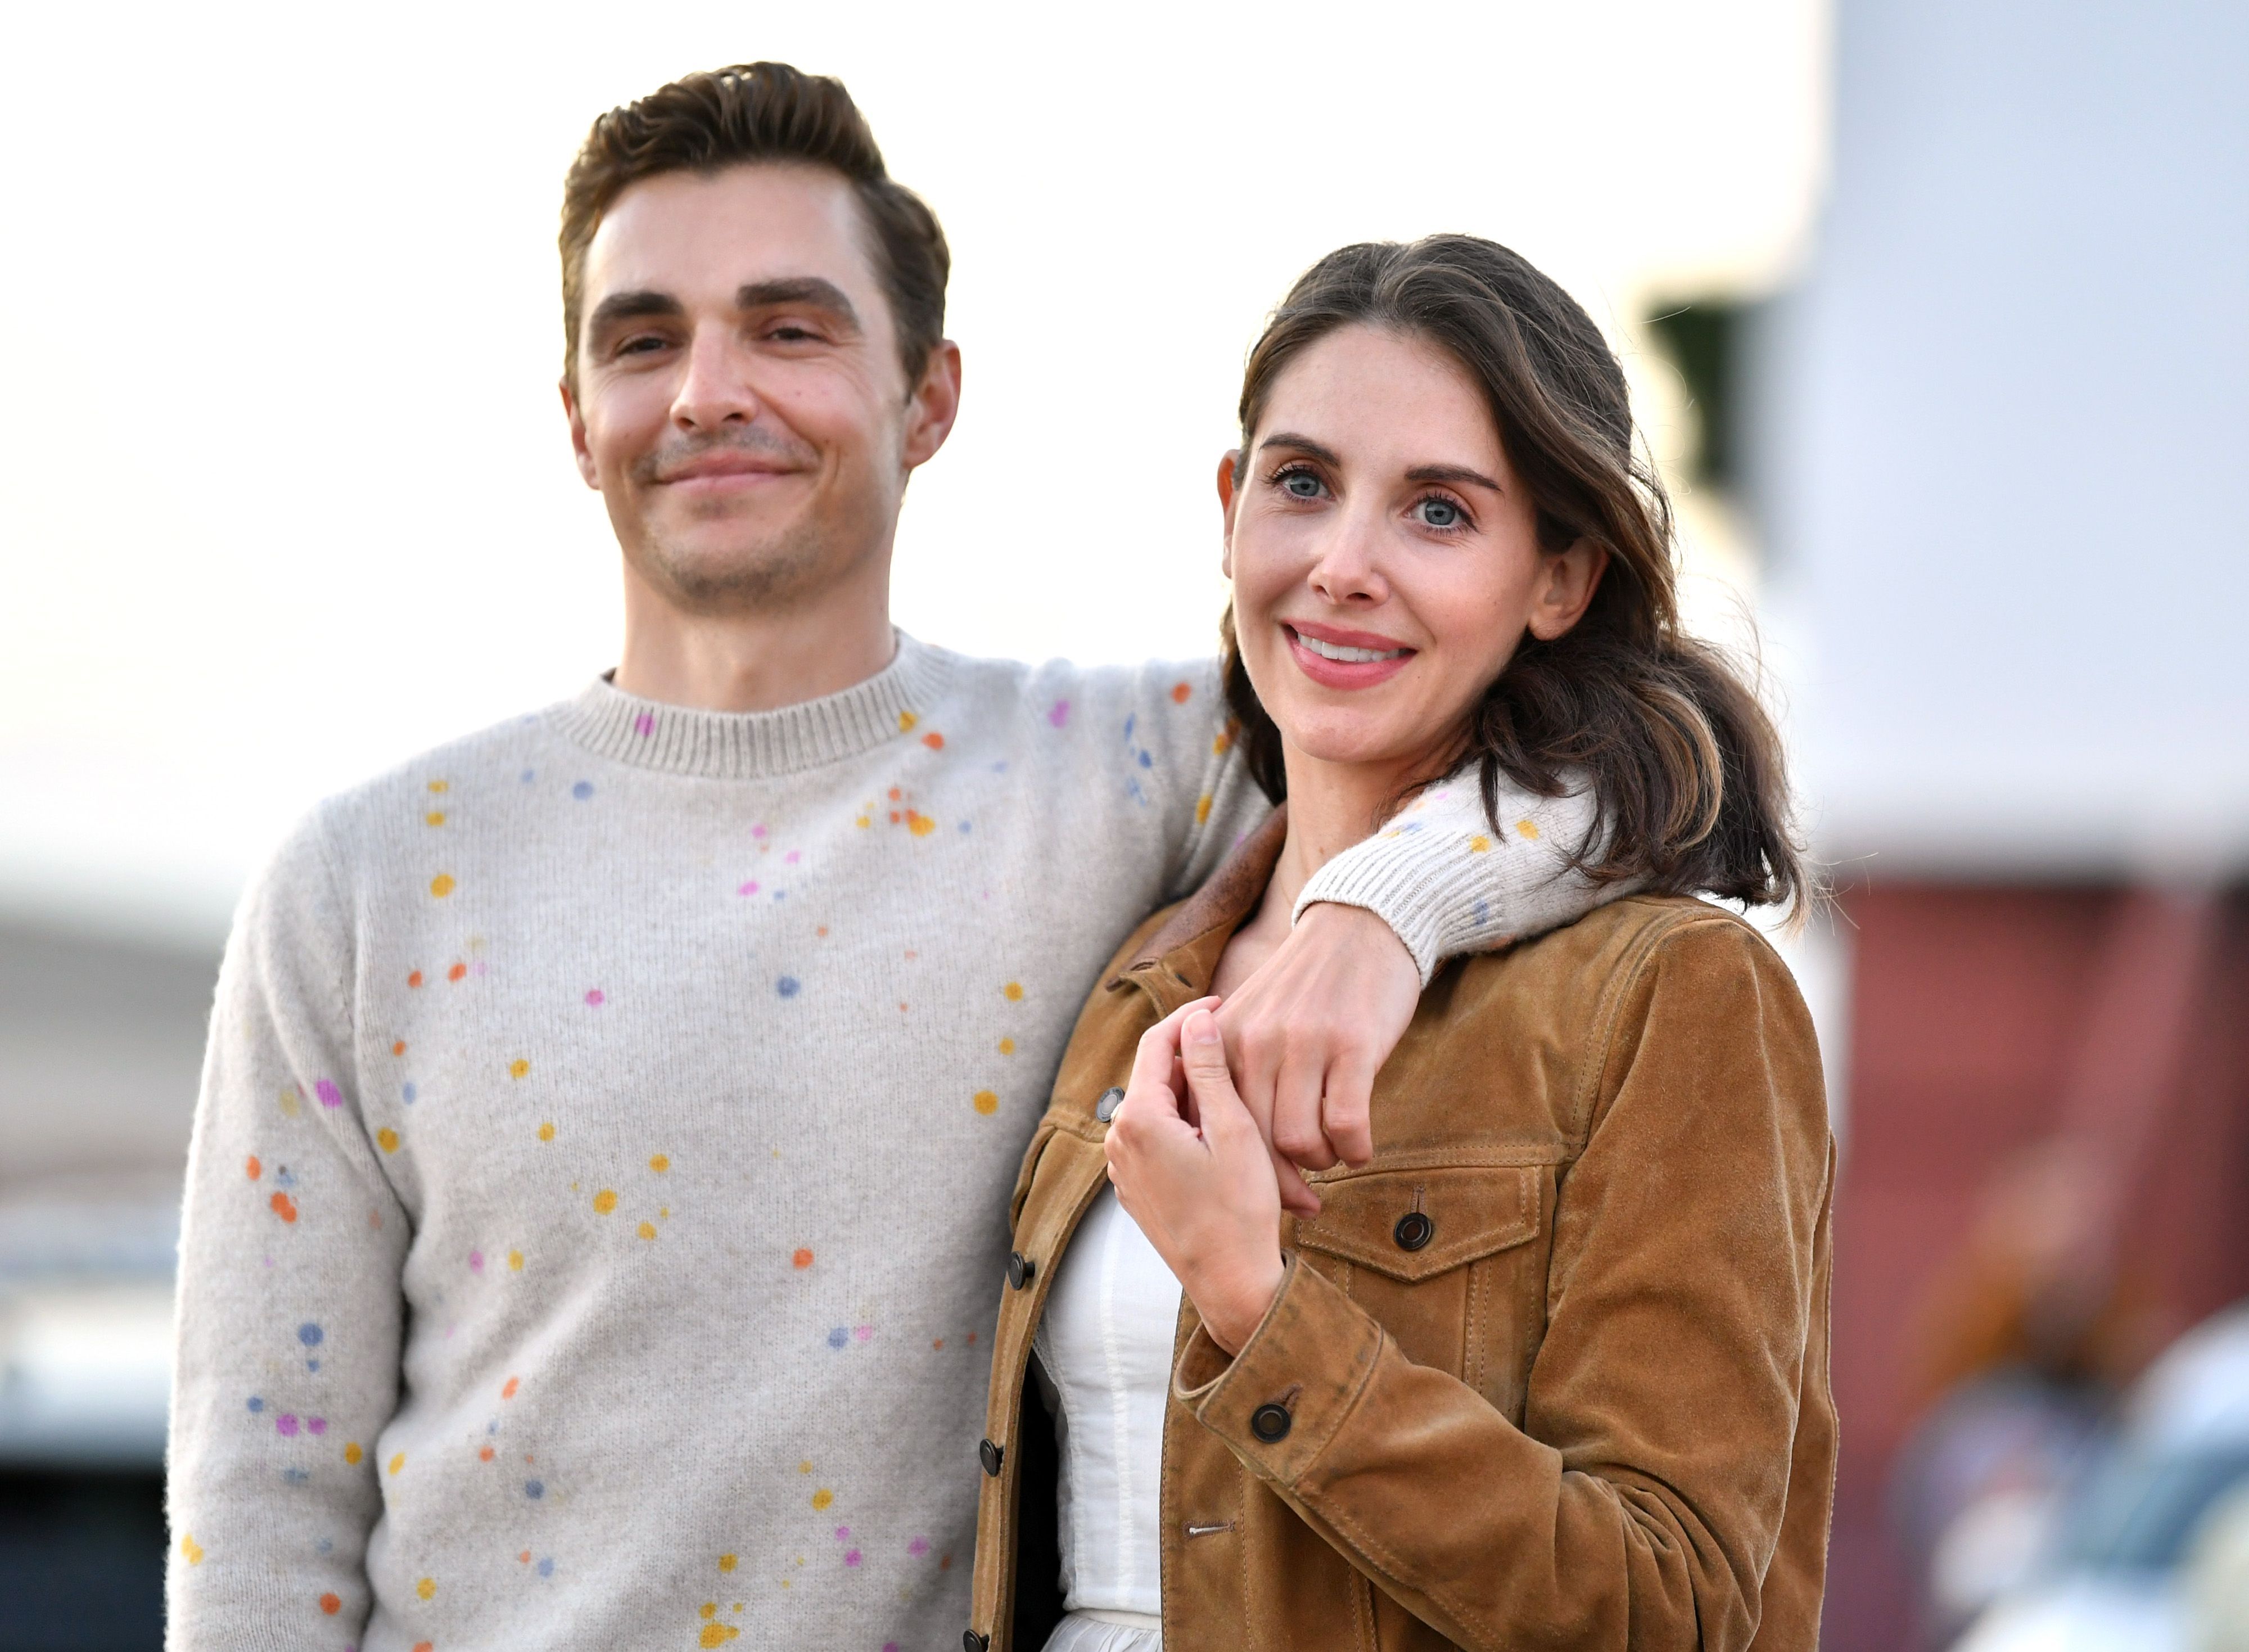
{"points": [[1446, 884], [1308, 1362]]}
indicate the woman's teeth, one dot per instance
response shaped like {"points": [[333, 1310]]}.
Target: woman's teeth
{"points": [[1349, 656]]}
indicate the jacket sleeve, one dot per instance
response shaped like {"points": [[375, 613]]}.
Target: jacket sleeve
{"points": [[1640, 1503], [290, 1302]]}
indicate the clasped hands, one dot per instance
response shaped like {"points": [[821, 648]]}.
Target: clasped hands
{"points": [[1226, 1102]]}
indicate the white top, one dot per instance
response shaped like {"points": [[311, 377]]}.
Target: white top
{"points": [[1104, 1348]]}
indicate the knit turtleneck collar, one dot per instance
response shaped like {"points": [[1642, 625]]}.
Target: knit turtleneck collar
{"points": [[756, 745]]}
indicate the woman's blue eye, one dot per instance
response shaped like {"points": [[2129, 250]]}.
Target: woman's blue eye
{"points": [[1440, 512], [1302, 485]]}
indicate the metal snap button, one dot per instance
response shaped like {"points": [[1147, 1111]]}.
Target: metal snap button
{"points": [[1111, 1098], [1020, 1269], [991, 1456], [1413, 1230], [1270, 1422], [972, 1641]]}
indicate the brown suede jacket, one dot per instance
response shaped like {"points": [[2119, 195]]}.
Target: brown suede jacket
{"points": [[1550, 1371]]}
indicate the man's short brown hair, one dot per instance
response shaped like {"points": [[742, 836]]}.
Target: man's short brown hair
{"points": [[759, 112]]}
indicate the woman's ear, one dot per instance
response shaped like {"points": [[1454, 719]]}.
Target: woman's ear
{"points": [[1227, 463], [1567, 582]]}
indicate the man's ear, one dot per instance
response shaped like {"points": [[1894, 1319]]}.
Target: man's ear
{"points": [[1567, 582], [1226, 462], [578, 448], [935, 404]]}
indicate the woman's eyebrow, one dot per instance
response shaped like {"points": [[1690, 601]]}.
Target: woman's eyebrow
{"points": [[1452, 473], [1303, 444]]}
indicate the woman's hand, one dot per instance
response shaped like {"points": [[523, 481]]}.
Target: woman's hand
{"points": [[1191, 1167]]}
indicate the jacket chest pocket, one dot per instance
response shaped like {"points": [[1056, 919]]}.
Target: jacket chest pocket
{"points": [[1450, 1259]]}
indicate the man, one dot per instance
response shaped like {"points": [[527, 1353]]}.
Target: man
{"points": [[597, 1203]]}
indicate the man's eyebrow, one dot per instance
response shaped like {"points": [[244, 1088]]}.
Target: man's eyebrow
{"points": [[1452, 473], [634, 306], [813, 290]]}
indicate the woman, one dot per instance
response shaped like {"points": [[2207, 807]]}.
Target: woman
{"points": [[1552, 1369]]}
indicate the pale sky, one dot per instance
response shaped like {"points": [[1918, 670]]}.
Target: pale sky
{"points": [[287, 493]]}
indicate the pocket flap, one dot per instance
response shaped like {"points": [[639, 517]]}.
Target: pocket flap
{"points": [[1410, 1224]]}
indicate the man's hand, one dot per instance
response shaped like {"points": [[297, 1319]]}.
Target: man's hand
{"points": [[1306, 1034], [1191, 1169]]}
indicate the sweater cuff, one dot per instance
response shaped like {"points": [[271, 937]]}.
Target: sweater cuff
{"points": [[1448, 883], [1278, 1402]]}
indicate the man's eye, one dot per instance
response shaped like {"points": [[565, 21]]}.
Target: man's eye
{"points": [[1439, 513], [1302, 485], [640, 345], [791, 335]]}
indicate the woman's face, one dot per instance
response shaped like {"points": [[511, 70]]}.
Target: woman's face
{"points": [[1384, 556]]}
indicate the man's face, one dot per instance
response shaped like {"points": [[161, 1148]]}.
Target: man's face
{"points": [[739, 402]]}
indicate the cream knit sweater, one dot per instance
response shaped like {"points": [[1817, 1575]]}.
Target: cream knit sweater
{"points": [[597, 1206]]}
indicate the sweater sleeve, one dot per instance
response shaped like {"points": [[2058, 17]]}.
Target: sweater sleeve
{"points": [[1437, 873], [1440, 876], [291, 1244], [1640, 1502]]}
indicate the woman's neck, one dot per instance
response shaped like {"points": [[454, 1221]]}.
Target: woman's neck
{"points": [[1331, 806]]}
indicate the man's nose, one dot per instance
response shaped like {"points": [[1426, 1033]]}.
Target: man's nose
{"points": [[715, 389]]}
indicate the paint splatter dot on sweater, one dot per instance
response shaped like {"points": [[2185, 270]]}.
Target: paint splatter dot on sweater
{"points": [[595, 997], [283, 1206], [1182, 692], [413, 978], [353, 1454], [934, 740], [386, 1139], [458, 972], [605, 1202], [517, 1068], [398, 1462], [252, 1168], [515, 1262], [647, 1230], [789, 985], [434, 817], [727, 1562], [191, 1550], [582, 790], [311, 1334], [443, 886], [508, 1388], [1013, 991], [426, 1587], [546, 1132], [823, 1498], [986, 1102], [659, 1164], [440, 785], [329, 1095], [330, 1604]]}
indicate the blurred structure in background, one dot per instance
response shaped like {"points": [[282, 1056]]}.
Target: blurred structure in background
{"points": [[100, 1042], [1992, 443]]}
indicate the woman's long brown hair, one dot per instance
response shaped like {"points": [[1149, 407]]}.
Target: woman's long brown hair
{"points": [[1688, 777]]}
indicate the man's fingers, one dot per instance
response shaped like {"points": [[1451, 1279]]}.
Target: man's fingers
{"points": [[1296, 1195], [1346, 1107], [1297, 1127]]}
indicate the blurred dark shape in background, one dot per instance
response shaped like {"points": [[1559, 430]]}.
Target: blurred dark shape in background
{"points": [[101, 1043]]}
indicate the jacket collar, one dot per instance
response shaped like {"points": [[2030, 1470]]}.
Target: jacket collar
{"points": [[1179, 961]]}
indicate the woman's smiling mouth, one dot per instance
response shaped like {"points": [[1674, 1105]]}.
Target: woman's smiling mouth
{"points": [[1336, 658]]}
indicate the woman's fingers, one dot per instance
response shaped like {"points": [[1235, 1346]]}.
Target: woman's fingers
{"points": [[1155, 1063]]}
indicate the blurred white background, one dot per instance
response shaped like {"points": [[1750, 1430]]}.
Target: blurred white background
{"points": [[286, 492]]}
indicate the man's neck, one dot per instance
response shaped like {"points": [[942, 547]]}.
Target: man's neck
{"points": [[753, 661]]}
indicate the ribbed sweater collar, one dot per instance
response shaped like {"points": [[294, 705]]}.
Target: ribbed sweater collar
{"points": [[677, 740]]}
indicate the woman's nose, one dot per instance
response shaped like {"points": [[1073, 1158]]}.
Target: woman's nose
{"points": [[1348, 570]]}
